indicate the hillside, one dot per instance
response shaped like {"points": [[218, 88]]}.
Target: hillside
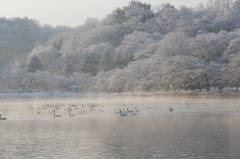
{"points": [[132, 49]]}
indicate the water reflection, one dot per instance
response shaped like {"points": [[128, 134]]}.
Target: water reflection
{"points": [[155, 132]]}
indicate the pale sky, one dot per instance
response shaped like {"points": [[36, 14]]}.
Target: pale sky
{"points": [[72, 12]]}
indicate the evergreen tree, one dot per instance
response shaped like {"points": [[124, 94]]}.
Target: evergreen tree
{"points": [[34, 64], [58, 45], [90, 64], [68, 66]]}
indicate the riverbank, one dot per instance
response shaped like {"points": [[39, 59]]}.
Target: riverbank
{"points": [[160, 94]]}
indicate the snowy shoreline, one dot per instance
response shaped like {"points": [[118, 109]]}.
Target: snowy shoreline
{"points": [[164, 94]]}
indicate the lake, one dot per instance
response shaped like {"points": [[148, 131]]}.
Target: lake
{"points": [[196, 128]]}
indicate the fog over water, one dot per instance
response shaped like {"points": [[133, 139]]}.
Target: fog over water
{"points": [[196, 128]]}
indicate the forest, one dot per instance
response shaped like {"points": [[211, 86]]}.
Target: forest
{"points": [[138, 47]]}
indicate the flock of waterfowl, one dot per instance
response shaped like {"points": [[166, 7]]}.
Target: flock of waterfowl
{"points": [[71, 107], [123, 111], [65, 107]]}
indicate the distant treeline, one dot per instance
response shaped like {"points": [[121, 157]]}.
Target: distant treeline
{"points": [[134, 48]]}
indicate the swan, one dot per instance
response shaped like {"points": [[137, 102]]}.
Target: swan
{"points": [[134, 113], [136, 110], [122, 114], [2, 118], [70, 113], [128, 111], [55, 114], [101, 110]]}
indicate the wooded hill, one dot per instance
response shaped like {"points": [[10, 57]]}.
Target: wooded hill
{"points": [[132, 49]]}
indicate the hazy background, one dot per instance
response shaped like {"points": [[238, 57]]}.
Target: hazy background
{"points": [[73, 12]]}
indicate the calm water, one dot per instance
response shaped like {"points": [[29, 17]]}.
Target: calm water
{"points": [[196, 129]]}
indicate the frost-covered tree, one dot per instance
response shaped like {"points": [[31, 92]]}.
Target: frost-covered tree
{"points": [[106, 61], [218, 6], [175, 43], [210, 47], [116, 82], [236, 5], [123, 55], [139, 75], [233, 72], [166, 19], [103, 79], [184, 72], [131, 49], [91, 23], [137, 11], [19, 65], [116, 17], [102, 34], [136, 46], [232, 50]]}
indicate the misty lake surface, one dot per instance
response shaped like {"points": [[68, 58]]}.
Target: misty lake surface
{"points": [[195, 129]]}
